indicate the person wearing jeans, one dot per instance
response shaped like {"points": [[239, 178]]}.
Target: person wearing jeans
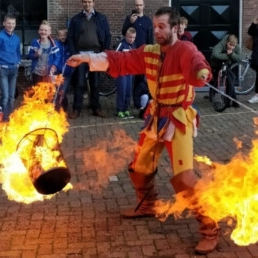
{"points": [[10, 58], [124, 83], [88, 32]]}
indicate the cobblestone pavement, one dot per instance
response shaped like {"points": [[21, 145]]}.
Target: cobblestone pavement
{"points": [[85, 221]]}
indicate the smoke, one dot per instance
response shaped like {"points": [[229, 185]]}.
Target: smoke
{"points": [[106, 160]]}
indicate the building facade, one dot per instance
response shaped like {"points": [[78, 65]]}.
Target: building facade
{"points": [[59, 12]]}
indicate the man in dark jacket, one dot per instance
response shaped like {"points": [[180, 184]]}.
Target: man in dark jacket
{"points": [[144, 32], [88, 32], [142, 23]]}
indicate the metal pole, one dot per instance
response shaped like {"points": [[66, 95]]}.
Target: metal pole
{"points": [[23, 28]]}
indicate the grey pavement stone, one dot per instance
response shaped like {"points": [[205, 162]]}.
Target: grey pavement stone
{"points": [[85, 222]]}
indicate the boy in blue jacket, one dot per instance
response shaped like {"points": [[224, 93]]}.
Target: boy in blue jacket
{"points": [[124, 83], [10, 58], [44, 53], [63, 69]]}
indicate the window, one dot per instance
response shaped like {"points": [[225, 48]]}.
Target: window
{"points": [[29, 14]]}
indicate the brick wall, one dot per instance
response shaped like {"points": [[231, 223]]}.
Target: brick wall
{"points": [[116, 10]]}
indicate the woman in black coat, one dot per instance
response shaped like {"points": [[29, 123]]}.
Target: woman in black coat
{"points": [[253, 31]]}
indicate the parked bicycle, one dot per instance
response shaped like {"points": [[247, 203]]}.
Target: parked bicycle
{"points": [[224, 87], [106, 82], [244, 82], [245, 76]]}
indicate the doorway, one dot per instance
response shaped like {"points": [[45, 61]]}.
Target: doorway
{"points": [[209, 20]]}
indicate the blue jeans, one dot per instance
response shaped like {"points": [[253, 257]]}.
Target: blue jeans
{"points": [[8, 78], [124, 92], [93, 77]]}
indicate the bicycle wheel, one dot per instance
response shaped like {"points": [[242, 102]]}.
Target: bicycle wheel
{"points": [[219, 101], [106, 84], [245, 77]]}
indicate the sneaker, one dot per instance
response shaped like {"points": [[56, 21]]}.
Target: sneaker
{"points": [[121, 115], [141, 114], [254, 99], [127, 114], [236, 105]]}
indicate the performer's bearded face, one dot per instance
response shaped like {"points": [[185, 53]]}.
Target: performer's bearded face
{"points": [[162, 30]]}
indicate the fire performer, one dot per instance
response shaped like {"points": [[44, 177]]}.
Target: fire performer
{"points": [[171, 67]]}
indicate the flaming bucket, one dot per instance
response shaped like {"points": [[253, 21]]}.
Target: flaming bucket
{"points": [[40, 153]]}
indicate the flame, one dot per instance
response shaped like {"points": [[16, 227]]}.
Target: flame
{"points": [[226, 192], [36, 112]]}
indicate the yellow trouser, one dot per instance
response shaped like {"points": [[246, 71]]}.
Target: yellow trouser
{"points": [[180, 150]]}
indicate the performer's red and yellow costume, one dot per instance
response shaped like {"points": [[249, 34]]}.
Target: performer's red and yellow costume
{"points": [[170, 84], [171, 122]]}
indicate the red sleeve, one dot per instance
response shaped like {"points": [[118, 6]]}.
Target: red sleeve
{"points": [[192, 61], [123, 63]]}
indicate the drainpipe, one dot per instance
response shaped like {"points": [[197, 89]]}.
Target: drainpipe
{"points": [[23, 28], [240, 23]]}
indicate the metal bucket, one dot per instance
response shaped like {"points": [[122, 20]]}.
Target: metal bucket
{"points": [[41, 154]]}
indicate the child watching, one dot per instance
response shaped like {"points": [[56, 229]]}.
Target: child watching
{"points": [[226, 51], [183, 34], [63, 69], [124, 83], [44, 54], [10, 58]]}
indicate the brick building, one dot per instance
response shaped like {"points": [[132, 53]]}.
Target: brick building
{"points": [[60, 11]]}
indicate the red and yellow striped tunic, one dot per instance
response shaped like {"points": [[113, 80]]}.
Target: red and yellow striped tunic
{"points": [[171, 76]]}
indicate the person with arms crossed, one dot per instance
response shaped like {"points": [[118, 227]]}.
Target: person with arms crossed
{"points": [[10, 58], [88, 32], [253, 31], [172, 67]]}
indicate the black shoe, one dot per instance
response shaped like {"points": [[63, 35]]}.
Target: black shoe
{"points": [[228, 105], [236, 105], [141, 113], [98, 113], [75, 114]]}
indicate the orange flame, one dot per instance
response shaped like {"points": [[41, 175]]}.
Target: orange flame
{"points": [[226, 191], [36, 111]]}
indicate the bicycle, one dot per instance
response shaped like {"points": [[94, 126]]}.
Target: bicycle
{"points": [[106, 82], [245, 76], [224, 88]]}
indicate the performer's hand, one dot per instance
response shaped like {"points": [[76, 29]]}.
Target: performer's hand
{"points": [[203, 75], [76, 60]]}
